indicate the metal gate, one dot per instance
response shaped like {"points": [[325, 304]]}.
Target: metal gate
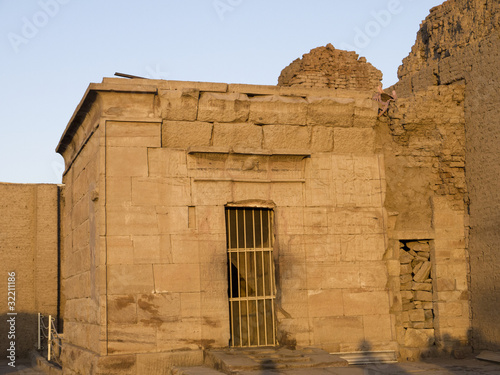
{"points": [[251, 276]]}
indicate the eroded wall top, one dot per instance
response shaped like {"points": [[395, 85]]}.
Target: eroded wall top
{"points": [[328, 67]]}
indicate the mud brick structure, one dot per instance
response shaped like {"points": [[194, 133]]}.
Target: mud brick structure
{"points": [[203, 216], [328, 67], [29, 248]]}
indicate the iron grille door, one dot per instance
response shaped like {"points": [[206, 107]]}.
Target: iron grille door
{"points": [[251, 276]]}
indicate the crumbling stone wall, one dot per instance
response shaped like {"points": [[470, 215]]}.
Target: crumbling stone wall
{"points": [[328, 67], [28, 247], [422, 140], [459, 42]]}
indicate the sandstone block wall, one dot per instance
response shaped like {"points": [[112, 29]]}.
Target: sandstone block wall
{"points": [[28, 247], [161, 160], [459, 42]]}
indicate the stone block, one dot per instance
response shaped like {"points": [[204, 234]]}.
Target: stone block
{"points": [[210, 220], [152, 191], [161, 363], [133, 134], [185, 134], [185, 249], [118, 191], [190, 305], [422, 296], [122, 105], [405, 257], [223, 107], [422, 286], [273, 109], [337, 330], [164, 162], [419, 338], [158, 309], [185, 335], [322, 303], [287, 194], [237, 135], [126, 161], [120, 250], [338, 112], [179, 105], [122, 309], [423, 272], [405, 269], [321, 139], [130, 279], [173, 220], [279, 137], [366, 303], [416, 315], [377, 328], [406, 278], [146, 249], [176, 278], [122, 221], [331, 276], [125, 338], [353, 140], [373, 276]]}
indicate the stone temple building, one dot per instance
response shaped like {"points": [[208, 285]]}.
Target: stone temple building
{"points": [[197, 216]]}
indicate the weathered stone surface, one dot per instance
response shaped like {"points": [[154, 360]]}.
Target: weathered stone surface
{"points": [[133, 134], [184, 134], [423, 272], [223, 107], [338, 112], [417, 315], [238, 135], [422, 296], [354, 140], [179, 105], [422, 286], [419, 338], [273, 109], [278, 137]]}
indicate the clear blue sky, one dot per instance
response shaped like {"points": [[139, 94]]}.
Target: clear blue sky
{"points": [[52, 49]]}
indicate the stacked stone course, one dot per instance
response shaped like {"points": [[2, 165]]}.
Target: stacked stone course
{"points": [[416, 285]]}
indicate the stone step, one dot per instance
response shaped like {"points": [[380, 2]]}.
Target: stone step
{"points": [[270, 359]]}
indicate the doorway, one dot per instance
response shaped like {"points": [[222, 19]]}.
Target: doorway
{"points": [[251, 289]]}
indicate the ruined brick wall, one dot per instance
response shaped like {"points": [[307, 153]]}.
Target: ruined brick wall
{"points": [[459, 41], [423, 144], [28, 247], [327, 67]]}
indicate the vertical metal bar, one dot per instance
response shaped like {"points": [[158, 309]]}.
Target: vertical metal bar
{"points": [[238, 269], [245, 256], [255, 279], [263, 276], [230, 264], [271, 271], [49, 346], [39, 344]]}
